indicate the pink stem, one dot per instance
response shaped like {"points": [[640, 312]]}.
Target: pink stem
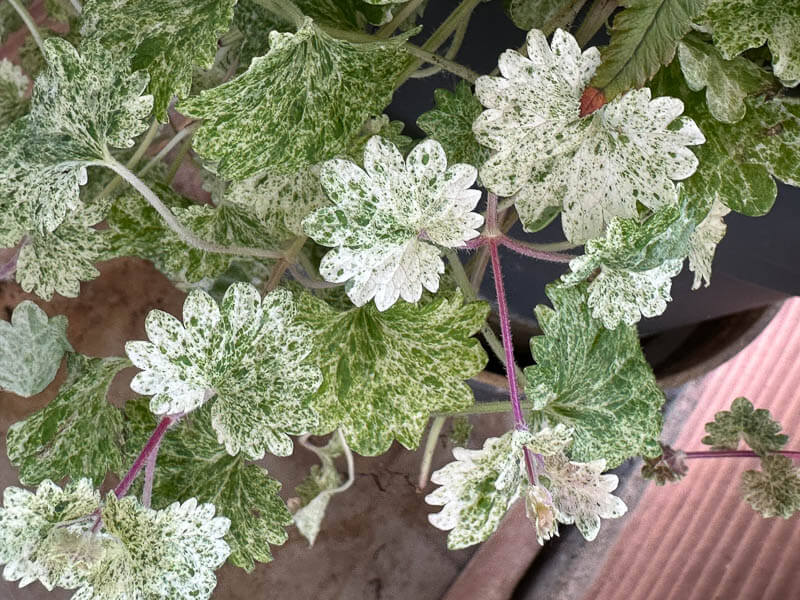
{"points": [[491, 214], [530, 252], [149, 473], [475, 243], [738, 454], [508, 347], [7, 270]]}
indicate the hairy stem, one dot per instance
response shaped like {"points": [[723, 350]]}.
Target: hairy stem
{"points": [[530, 251], [443, 63], [401, 15], [146, 142], [452, 52], [596, 17], [430, 447], [484, 408], [185, 234], [149, 474], [149, 448], [286, 260], [29, 23], [176, 139], [795, 454]]}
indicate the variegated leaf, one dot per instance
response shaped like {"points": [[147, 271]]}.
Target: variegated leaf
{"points": [[317, 489], [594, 167], [247, 353], [386, 218], [775, 490], [755, 426], [31, 347], [703, 243], [384, 373]]}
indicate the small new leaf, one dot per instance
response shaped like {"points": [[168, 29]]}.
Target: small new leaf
{"points": [[166, 38], [78, 434], [247, 353], [593, 168], [670, 466], [386, 218], [192, 464], [31, 347], [727, 82], [317, 489], [755, 427], [30, 523], [384, 373], [703, 243], [644, 37], [741, 24], [306, 99], [450, 124], [594, 380], [775, 490]]}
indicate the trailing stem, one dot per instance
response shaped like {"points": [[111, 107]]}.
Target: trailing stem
{"points": [[430, 447], [795, 454]]}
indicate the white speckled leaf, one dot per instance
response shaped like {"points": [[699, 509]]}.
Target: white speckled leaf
{"points": [[304, 100], [450, 124], [593, 168], [384, 373], [594, 380], [775, 490], [637, 261], [581, 493], [31, 347], [136, 229], [476, 490], [170, 554], [58, 261], [727, 82], [13, 86], [78, 434], [81, 105], [703, 243], [738, 162], [248, 353], [386, 218], [741, 24], [192, 464], [29, 530], [167, 38], [643, 38]]}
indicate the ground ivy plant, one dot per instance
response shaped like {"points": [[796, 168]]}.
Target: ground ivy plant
{"points": [[326, 295]]}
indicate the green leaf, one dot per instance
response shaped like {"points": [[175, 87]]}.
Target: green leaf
{"points": [[742, 422], [450, 124], [741, 24], [476, 490], [58, 261], [348, 14], [738, 161], [384, 373], [594, 380], [247, 353], [317, 489], [387, 217], [78, 434], [81, 105], [163, 554], [31, 347], [643, 38], [167, 38], [13, 87], [30, 526], [727, 82], [775, 490], [593, 168], [703, 243], [539, 14], [670, 466], [136, 229], [192, 464], [637, 260], [305, 100]]}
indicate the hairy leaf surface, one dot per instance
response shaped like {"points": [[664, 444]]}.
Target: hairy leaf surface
{"points": [[384, 373], [755, 427], [247, 353], [78, 434], [386, 218], [775, 490], [192, 464], [298, 105], [166, 38], [593, 168], [594, 380], [31, 347]]}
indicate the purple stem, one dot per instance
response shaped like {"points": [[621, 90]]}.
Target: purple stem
{"points": [[149, 473], [491, 214], [475, 243], [519, 248], [738, 454], [508, 347]]}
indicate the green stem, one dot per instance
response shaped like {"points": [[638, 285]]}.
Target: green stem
{"points": [[176, 139], [29, 23], [596, 17], [285, 10], [392, 26], [430, 447], [186, 235], [146, 142], [284, 263], [443, 63], [485, 408], [563, 18], [179, 158]]}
